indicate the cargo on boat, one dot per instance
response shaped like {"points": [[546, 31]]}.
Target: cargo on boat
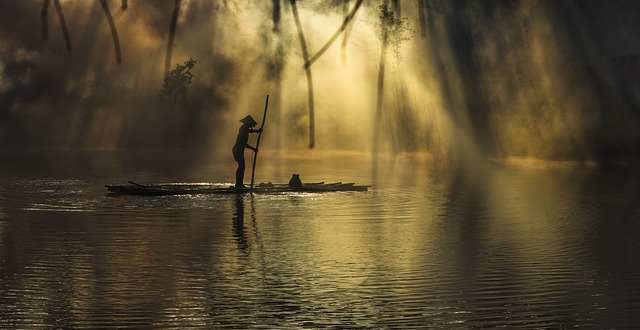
{"points": [[158, 189]]}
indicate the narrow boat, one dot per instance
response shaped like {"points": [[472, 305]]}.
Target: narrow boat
{"points": [[159, 189]]}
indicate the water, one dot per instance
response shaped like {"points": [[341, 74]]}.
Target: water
{"points": [[488, 246]]}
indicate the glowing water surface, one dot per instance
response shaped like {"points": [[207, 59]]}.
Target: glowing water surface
{"points": [[485, 246]]}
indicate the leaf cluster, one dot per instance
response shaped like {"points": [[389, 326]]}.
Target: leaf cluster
{"points": [[395, 30], [176, 81]]}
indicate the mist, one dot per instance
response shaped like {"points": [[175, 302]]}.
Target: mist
{"points": [[529, 79]]}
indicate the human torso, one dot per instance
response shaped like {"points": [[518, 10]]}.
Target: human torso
{"points": [[243, 137]]}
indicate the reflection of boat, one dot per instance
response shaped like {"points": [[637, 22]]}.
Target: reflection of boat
{"points": [[157, 189]]}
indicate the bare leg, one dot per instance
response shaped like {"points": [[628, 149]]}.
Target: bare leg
{"points": [[240, 172]]}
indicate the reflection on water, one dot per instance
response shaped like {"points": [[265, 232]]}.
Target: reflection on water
{"points": [[494, 246]]}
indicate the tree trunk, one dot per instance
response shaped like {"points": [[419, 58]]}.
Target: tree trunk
{"points": [[45, 22], [422, 16], [379, 99], [172, 33], [305, 56], [345, 35], [395, 4], [333, 38], [275, 15], [275, 68], [63, 24], [380, 91], [44, 16], [114, 32]]}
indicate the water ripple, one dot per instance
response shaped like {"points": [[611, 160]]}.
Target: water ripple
{"points": [[513, 252]]}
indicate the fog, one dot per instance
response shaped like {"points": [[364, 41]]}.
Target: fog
{"points": [[554, 80]]}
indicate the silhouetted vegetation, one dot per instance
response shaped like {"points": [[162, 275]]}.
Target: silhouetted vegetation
{"points": [[63, 24], [305, 56], [342, 30], [512, 77], [176, 82], [172, 34], [393, 32], [114, 31], [65, 30], [398, 29]]}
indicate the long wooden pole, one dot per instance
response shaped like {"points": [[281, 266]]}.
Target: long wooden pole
{"points": [[255, 157]]}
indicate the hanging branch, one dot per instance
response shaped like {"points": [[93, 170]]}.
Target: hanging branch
{"points": [[393, 32], [305, 56], [422, 16], [384, 25], [45, 21], [63, 24], [345, 35], [276, 65], [395, 4], [335, 36], [275, 15], [114, 32], [172, 34], [378, 117]]}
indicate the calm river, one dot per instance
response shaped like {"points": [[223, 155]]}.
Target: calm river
{"points": [[535, 246]]}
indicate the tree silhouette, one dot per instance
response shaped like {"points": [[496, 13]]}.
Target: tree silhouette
{"points": [[305, 56], [172, 34], [392, 33], [275, 15], [384, 34], [65, 31], [175, 83], [114, 31], [345, 35], [63, 24], [308, 61], [275, 65], [422, 17], [335, 36]]}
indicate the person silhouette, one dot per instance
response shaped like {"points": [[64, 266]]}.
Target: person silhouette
{"points": [[242, 142]]}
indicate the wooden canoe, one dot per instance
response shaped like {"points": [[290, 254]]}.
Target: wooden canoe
{"points": [[159, 189]]}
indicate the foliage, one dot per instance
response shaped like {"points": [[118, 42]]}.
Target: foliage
{"points": [[175, 83], [395, 31]]}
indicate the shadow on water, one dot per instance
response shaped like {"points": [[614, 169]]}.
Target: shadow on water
{"points": [[239, 230]]}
